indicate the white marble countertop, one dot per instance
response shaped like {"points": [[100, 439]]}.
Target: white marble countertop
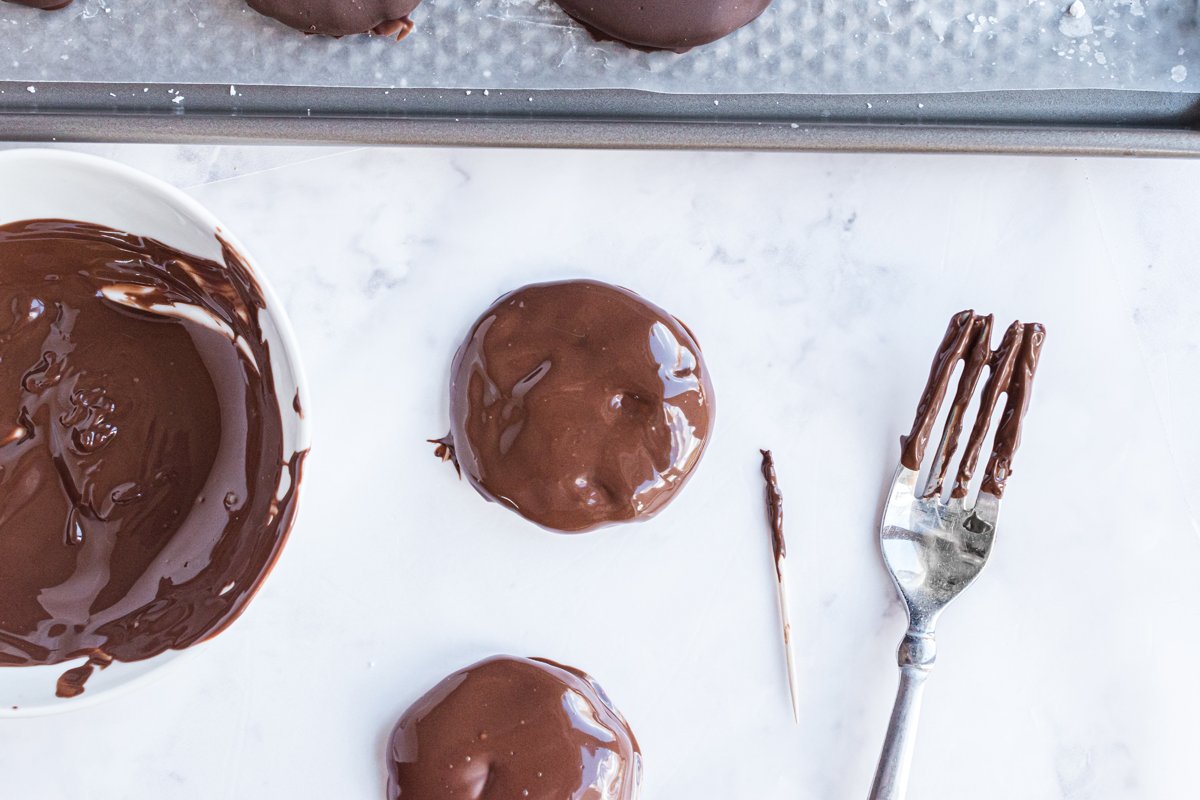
{"points": [[819, 286]]}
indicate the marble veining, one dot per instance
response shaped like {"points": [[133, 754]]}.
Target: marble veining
{"points": [[817, 286]]}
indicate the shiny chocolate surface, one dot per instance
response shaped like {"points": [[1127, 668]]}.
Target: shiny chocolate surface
{"points": [[578, 404], [511, 728]]}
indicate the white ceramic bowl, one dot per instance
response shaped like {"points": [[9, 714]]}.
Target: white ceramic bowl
{"points": [[65, 185]]}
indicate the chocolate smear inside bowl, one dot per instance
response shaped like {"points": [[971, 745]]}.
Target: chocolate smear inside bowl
{"points": [[145, 491]]}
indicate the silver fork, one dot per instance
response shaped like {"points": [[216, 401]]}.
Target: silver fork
{"points": [[933, 548]]}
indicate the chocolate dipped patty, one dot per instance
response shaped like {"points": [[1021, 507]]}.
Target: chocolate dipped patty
{"points": [[45, 5], [514, 729], [341, 17], [579, 404], [677, 25], [144, 487]]}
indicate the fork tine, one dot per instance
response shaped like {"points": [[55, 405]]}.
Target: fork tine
{"points": [[1008, 433], [976, 358], [950, 351], [1000, 368]]}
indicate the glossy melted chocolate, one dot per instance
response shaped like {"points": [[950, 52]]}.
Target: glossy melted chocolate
{"points": [[677, 25], [144, 488], [514, 729], [578, 404], [341, 17], [1011, 368]]}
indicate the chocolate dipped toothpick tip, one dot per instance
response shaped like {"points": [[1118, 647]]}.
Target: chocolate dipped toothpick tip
{"points": [[774, 511], [1011, 367], [774, 499]]}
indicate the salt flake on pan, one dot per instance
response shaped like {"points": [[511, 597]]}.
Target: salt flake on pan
{"points": [[1076, 22]]}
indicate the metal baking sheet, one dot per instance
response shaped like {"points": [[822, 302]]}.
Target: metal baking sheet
{"points": [[1116, 77], [1049, 122]]}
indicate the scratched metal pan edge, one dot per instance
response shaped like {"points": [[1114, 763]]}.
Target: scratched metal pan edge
{"points": [[1075, 122]]}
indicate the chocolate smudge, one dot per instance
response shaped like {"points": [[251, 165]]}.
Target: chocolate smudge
{"points": [[445, 451], [70, 683]]}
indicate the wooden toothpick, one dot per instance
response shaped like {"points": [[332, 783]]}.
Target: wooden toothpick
{"points": [[779, 549]]}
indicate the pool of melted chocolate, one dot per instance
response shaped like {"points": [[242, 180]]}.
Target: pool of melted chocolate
{"points": [[145, 492]]}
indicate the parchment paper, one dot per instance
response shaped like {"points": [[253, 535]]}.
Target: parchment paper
{"points": [[797, 46]]}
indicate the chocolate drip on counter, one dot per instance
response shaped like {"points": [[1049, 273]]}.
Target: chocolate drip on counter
{"points": [[144, 488], [444, 450], [511, 728], [1011, 368], [341, 17], [71, 683], [677, 25], [44, 5], [578, 404], [774, 511]]}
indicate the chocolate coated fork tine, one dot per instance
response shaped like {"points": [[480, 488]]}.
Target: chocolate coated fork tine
{"points": [[978, 353], [1000, 371], [935, 550], [950, 351], [1008, 433]]}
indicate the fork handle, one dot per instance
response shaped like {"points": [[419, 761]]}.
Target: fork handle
{"points": [[916, 658]]}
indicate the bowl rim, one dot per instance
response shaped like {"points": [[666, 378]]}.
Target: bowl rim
{"points": [[203, 219]]}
